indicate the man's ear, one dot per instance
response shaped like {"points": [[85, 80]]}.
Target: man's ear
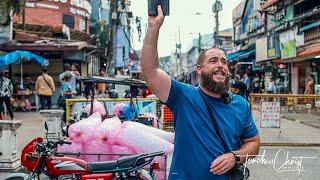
{"points": [[198, 68]]}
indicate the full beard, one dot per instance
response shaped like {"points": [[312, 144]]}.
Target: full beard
{"points": [[213, 86]]}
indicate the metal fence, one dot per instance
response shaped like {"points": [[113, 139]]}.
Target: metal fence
{"points": [[287, 119], [105, 101], [282, 119]]}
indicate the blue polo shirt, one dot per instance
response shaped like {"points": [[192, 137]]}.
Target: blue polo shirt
{"points": [[196, 142]]}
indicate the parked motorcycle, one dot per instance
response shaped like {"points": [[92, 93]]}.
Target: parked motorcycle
{"points": [[40, 157]]}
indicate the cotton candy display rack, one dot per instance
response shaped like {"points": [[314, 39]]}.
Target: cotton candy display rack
{"points": [[98, 140]]}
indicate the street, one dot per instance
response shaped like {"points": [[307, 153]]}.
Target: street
{"points": [[275, 164], [65, 53]]}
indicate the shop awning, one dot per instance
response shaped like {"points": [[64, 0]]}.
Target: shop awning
{"points": [[242, 54], [235, 55], [310, 51], [46, 45], [310, 26], [247, 54]]}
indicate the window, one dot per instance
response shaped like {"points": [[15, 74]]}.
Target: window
{"points": [[82, 25], [68, 20]]}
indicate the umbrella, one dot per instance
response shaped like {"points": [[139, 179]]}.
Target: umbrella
{"points": [[17, 57]]}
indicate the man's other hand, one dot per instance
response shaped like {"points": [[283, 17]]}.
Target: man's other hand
{"points": [[222, 164], [156, 21]]}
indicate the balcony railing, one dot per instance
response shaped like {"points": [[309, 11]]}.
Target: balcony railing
{"points": [[312, 36]]}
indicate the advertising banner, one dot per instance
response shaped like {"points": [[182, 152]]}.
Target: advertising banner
{"points": [[261, 49], [288, 44]]}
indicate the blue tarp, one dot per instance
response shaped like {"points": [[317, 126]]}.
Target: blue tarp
{"points": [[16, 56]]}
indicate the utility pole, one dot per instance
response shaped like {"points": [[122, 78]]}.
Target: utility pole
{"points": [[24, 16], [199, 44], [114, 18], [216, 7], [180, 58], [178, 54]]}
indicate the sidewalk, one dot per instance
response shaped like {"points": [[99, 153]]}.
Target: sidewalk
{"points": [[290, 131], [31, 127]]}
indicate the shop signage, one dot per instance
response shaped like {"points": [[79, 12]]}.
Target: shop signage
{"points": [[84, 4], [271, 47], [237, 12], [270, 114], [261, 49], [288, 44]]}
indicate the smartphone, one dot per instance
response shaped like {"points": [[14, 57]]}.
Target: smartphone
{"points": [[153, 5]]}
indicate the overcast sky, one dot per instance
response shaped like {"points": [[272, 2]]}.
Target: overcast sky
{"points": [[183, 14]]}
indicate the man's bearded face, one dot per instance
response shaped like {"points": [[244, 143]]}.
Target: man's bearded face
{"points": [[210, 82]]}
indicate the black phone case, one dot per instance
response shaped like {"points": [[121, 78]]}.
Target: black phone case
{"points": [[153, 4]]}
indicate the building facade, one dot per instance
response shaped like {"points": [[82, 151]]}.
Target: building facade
{"points": [[280, 36], [73, 13]]}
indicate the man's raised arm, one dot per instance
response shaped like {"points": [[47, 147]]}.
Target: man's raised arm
{"points": [[157, 79]]}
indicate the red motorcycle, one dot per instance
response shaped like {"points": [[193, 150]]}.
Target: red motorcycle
{"points": [[40, 157]]}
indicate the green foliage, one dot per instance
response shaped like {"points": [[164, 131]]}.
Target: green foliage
{"points": [[100, 31], [6, 6]]}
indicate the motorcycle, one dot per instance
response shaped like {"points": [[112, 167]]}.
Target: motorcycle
{"points": [[41, 157]]}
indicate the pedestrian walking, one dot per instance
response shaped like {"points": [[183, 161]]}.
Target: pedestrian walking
{"points": [[256, 83], [74, 75], [68, 91], [246, 80], [6, 90], [209, 122], [45, 88], [271, 86], [309, 89]]}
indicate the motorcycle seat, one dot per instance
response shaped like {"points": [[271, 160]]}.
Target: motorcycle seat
{"points": [[130, 161], [123, 163], [107, 166]]}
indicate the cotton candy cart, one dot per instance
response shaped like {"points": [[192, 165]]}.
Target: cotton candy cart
{"points": [[144, 105]]}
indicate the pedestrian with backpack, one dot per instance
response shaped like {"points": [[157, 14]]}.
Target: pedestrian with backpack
{"points": [[45, 88]]}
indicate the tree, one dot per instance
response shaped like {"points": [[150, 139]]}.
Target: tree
{"points": [[100, 31], [6, 6]]}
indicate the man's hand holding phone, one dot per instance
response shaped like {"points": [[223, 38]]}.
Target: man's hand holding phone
{"points": [[155, 22], [153, 7]]}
